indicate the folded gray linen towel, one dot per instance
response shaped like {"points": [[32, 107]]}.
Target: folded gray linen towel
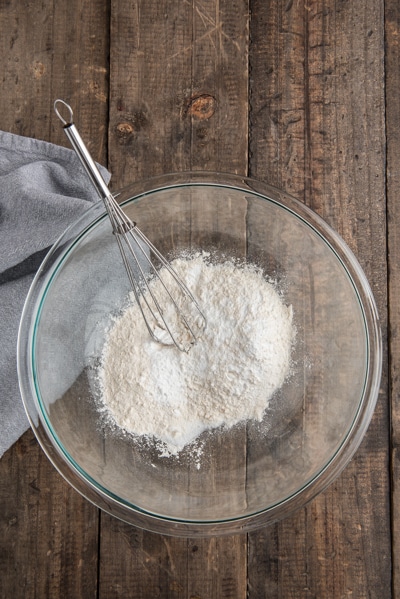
{"points": [[43, 189]]}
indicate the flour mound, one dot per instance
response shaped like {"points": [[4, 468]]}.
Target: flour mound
{"points": [[229, 376]]}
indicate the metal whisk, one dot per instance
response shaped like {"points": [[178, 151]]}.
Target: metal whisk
{"points": [[170, 311]]}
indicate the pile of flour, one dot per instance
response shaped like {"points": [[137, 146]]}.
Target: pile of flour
{"points": [[229, 376]]}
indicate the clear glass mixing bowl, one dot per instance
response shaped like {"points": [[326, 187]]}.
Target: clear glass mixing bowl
{"points": [[254, 473]]}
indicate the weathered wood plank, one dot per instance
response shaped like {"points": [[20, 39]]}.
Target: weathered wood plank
{"points": [[178, 101], [142, 564], [178, 88], [51, 51], [317, 130], [392, 82], [49, 533]]}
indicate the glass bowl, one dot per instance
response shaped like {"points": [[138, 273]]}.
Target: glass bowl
{"points": [[256, 472]]}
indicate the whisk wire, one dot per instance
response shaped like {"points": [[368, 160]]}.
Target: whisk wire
{"points": [[122, 225], [185, 293], [140, 283], [145, 289]]}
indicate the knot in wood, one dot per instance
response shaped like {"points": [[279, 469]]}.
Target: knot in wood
{"points": [[202, 107], [129, 124], [38, 69], [124, 129]]}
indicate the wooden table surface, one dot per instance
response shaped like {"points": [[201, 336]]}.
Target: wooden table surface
{"points": [[303, 95]]}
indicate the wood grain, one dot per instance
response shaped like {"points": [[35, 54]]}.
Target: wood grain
{"points": [[48, 532], [317, 131], [392, 65], [150, 565], [178, 95], [54, 51]]}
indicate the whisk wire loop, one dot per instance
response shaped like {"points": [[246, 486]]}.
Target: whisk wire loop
{"points": [[126, 232]]}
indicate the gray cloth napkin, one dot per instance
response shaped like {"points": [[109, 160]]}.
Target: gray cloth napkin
{"points": [[43, 189]]}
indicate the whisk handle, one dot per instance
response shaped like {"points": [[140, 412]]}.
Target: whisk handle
{"points": [[81, 150]]}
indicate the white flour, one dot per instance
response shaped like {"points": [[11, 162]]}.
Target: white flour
{"points": [[227, 377]]}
